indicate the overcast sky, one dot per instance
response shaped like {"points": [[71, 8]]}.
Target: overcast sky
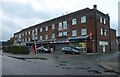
{"points": [[19, 14]]}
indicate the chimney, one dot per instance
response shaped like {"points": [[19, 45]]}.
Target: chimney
{"points": [[95, 7]]}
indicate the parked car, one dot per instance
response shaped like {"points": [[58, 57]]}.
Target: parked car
{"points": [[72, 50], [43, 50]]}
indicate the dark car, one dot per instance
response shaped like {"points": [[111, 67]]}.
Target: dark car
{"points": [[43, 50], [72, 50]]}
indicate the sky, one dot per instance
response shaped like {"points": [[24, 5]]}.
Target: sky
{"points": [[16, 15]]}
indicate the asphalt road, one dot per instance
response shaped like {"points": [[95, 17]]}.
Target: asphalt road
{"points": [[11, 66], [56, 64]]}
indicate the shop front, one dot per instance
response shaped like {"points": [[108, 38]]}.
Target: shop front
{"points": [[79, 42]]}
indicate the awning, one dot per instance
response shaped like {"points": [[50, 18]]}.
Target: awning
{"points": [[78, 38]]}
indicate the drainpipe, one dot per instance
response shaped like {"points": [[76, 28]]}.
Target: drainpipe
{"points": [[95, 8]]}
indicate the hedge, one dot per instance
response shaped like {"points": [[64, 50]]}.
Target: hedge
{"points": [[16, 49]]}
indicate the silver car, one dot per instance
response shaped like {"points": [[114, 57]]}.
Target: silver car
{"points": [[43, 50], [72, 50]]}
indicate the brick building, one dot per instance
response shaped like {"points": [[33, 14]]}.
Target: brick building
{"points": [[86, 28], [118, 42]]}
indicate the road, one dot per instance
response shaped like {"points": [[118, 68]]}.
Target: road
{"points": [[57, 64]]}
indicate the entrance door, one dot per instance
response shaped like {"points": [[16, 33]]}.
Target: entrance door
{"points": [[103, 48]]}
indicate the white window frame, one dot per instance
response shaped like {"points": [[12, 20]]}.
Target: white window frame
{"points": [[33, 32], [46, 37], [25, 39], [83, 19], [64, 33], [74, 32], [60, 26], [53, 36], [40, 37], [46, 28], [105, 32], [40, 29], [23, 34], [64, 24], [60, 34], [29, 39], [29, 32], [104, 21], [83, 31], [74, 21], [53, 26], [101, 31], [36, 31], [100, 19]]}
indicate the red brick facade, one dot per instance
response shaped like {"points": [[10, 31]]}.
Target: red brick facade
{"points": [[91, 25]]}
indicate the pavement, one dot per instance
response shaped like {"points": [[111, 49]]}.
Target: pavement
{"points": [[109, 62]]}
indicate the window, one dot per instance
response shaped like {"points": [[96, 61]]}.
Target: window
{"points": [[53, 36], [83, 19], [64, 33], [33, 37], [36, 31], [101, 32], [25, 39], [29, 32], [36, 37], [22, 40], [22, 34], [53, 26], [25, 33], [83, 31], [32, 32], [65, 25], [46, 36], [19, 35], [104, 21], [74, 21], [105, 32], [60, 26], [40, 29], [40, 37], [100, 19], [46, 28], [60, 34], [29, 39], [74, 32]]}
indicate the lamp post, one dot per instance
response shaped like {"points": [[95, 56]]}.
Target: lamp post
{"points": [[34, 42]]}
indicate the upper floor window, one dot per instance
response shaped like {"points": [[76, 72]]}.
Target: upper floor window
{"points": [[65, 25], [25, 33], [53, 26], [22, 34], [74, 32], [29, 32], [101, 31], [46, 36], [29, 39], [25, 39], [83, 31], [83, 19], [60, 34], [104, 21], [64, 33], [105, 32], [40, 29], [40, 37], [53, 36], [19, 35], [74, 21], [46, 28], [100, 19], [36, 31], [33, 32], [60, 26]]}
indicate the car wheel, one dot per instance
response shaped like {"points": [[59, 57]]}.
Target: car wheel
{"points": [[63, 52], [73, 53]]}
